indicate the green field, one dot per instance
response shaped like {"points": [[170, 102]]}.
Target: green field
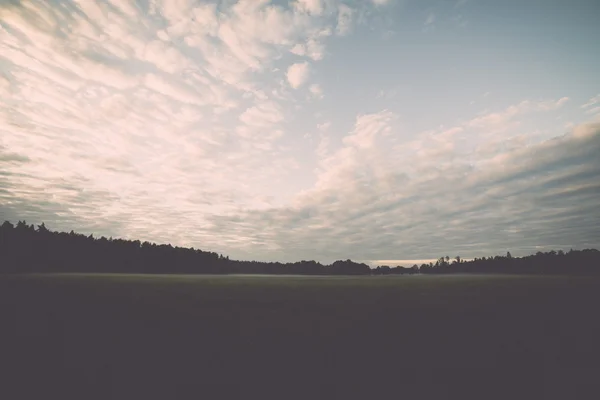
{"points": [[155, 336]]}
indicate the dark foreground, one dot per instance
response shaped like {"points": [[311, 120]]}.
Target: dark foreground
{"points": [[253, 337]]}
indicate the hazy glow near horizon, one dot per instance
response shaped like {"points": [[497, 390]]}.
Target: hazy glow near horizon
{"points": [[306, 129]]}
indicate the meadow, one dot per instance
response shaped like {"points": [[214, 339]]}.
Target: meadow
{"points": [[236, 336]]}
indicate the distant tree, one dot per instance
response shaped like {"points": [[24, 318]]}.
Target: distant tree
{"points": [[25, 249]]}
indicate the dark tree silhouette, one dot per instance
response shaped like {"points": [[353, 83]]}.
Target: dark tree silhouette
{"points": [[23, 248]]}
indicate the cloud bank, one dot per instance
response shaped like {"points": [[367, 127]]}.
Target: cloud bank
{"points": [[176, 121]]}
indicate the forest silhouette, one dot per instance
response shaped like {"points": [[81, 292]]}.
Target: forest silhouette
{"points": [[25, 249]]}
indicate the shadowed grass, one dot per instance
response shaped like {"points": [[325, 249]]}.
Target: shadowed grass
{"points": [[160, 336]]}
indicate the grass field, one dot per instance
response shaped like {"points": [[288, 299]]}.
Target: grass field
{"points": [[139, 337]]}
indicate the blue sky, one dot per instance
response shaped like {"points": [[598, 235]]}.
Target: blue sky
{"points": [[382, 131]]}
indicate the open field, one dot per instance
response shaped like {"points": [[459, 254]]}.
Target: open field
{"points": [[163, 336]]}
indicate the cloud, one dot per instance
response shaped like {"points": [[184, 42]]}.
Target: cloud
{"points": [[404, 263], [260, 124], [264, 114], [314, 7], [430, 19], [316, 90], [545, 198], [299, 49], [594, 110], [368, 128], [505, 116], [322, 149], [345, 20], [177, 121], [592, 106], [323, 146], [591, 102], [146, 109], [4, 86], [313, 49], [6, 157], [173, 90], [297, 74], [387, 94], [324, 126]]}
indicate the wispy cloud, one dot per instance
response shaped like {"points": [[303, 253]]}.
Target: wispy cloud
{"points": [[297, 74], [592, 106], [183, 122], [133, 102], [592, 102], [314, 7], [430, 20], [345, 20], [502, 117], [381, 2], [313, 49], [543, 195], [387, 94]]}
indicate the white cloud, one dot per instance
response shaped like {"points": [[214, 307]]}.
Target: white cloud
{"points": [[299, 49], [316, 90], [264, 114], [357, 210], [180, 124], [176, 92], [4, 86], [141, 119], [324, 126], [549, 106], [128, 7], [165, 57], [368, 127], [312, 49], [315, 49], [323, 147], [345, 20], [502, 117], [310, 6], [451, 132], [297, 74], [592, 102], [593, 110], [337, 172]]}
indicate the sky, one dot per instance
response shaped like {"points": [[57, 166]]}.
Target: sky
{"points": [[384, 131]]}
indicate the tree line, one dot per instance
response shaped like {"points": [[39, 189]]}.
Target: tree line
{"points": [[25, 249]]}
